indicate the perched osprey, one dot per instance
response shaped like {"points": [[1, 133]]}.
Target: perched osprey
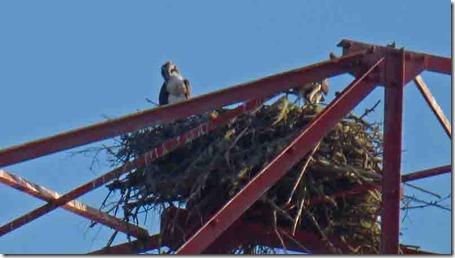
{"points": [[175, 88], [313, 92]]}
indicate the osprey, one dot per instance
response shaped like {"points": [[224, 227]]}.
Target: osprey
{"points": [[175, 88], [313, 92]]}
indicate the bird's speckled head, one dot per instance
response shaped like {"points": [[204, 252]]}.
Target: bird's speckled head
{"points": [[167, 69]]}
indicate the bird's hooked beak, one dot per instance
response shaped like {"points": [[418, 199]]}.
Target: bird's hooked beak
{"points": [[173, 69]]}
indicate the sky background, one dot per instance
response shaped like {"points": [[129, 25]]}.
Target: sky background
{"points": [[68, 64]]}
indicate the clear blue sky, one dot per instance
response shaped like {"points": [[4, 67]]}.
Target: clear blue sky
{"points": [[65, 64]]}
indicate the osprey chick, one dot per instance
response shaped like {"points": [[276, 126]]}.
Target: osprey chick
{"points": [[313, 92], [175, 88]]}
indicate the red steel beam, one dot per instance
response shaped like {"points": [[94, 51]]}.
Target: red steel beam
{"points": [[438, 64], [421, 85], [407, 250], [426, 173], [258, 234], [338, 108], [391, 178], [259, 88], [415, 60], [79, 208], [252, 233], [136, 246], [226, 239], [157, 152]]}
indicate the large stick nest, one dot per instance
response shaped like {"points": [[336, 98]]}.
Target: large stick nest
{"points": [[206, 172]]}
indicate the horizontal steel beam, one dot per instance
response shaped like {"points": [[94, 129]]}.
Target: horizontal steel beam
{"points": [[133, 247], [277, 168], [74, 206], [257, 234], [432, 63], [405, 249], [242, 92], [157, 152], [438, 64], [308, 242], [426, 173], [437, 111], [251, 233]]}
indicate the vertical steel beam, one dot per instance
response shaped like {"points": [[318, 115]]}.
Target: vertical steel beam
{"points": [[391, 178], [437, 111], [243, 92], [74, 206], [277, 168]]}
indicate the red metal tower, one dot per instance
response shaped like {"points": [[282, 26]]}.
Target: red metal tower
{"points": [[372, 66]]}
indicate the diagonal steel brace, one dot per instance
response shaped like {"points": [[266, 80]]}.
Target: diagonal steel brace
{"points": [[157, 152], [265, 179], [261, 88], [74, 206]]}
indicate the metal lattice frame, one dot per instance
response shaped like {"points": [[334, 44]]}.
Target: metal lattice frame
{"points": [[371, 66]]}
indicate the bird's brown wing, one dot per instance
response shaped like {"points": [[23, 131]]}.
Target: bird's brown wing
{"points": [[164, 95], [188, 88]]}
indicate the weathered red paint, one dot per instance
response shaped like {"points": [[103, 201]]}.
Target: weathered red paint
{"points": [[357, 58], [242, 92], [141, 161], [437, 110], [391, 178], [134, 247], [313, 133], [416, 61], [250, 233], [438, 64], [426, 173], [74, 206]]}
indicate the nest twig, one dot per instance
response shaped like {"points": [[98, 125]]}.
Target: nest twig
{"points": [[205, 173]]}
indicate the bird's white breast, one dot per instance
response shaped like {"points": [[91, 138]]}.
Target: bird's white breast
{"points": [[174, 99], [175, 85]]}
